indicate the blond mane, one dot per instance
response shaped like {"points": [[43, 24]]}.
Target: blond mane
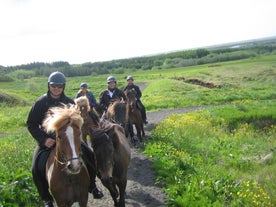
{"points": [[82, 102], [58, 117]]}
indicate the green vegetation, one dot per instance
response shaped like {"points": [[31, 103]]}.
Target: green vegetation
{"points": [[212, 157], [216, 156], [16, 187]]}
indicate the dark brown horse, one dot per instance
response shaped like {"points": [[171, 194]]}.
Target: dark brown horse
{"points": [[135, 113], [117, 112], [112, 152], [65, 171]]}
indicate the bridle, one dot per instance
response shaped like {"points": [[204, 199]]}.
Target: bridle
{"points": [[66, 160]]}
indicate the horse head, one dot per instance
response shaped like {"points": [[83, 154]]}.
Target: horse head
{"points": [[131, 97], [66, 123], [104, 153], [82, 104]]}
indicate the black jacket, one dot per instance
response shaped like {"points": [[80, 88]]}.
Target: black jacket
{"points": [[38, 114], [105, 99]]}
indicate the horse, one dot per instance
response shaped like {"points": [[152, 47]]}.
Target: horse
{"points": [[66, 172], [98, 109], [112, 152], [134, 112], [82, 104], [117, 112]]}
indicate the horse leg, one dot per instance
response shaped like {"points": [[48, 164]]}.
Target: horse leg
{"points": [[83, 202], [138, 129], [113, 191], [122, 189], [142, 128]]}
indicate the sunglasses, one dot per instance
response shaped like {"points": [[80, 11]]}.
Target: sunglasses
{"points": [[57, 85]]}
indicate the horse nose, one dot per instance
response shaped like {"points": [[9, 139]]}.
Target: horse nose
{"points": [[107, 179], [74, 166], [69, 166]]}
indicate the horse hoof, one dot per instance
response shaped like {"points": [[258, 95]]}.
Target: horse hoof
{"points": [[97, 194], [134, 139]]}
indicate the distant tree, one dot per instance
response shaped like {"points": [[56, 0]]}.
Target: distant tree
{"points": [[202, 53], [58, 64]]}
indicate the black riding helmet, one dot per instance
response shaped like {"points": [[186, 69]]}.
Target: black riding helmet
{"points": [[83, 85], [57, 78]]}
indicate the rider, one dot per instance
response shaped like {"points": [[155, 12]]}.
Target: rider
{"points": [[46, 142], [111, 93], [84, 91], [130, 85]]}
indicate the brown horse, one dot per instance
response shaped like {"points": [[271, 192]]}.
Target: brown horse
{"points": [[82, 104], [66, 173], [117, 112], [112, 152], [135, 113]]}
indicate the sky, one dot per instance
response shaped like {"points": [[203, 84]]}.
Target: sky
{"points": [[80, 31]]}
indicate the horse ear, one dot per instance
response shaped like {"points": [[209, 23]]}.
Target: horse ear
{"points": [[50, 112]]}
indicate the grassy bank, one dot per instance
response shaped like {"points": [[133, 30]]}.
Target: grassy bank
{"points": [[218, 157]]}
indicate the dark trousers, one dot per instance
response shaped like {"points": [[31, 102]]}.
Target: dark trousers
{"points": [[142, 109], [39, 169]]}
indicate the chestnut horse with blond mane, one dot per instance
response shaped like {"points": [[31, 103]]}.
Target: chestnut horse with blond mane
{"points": [[66, 172]]}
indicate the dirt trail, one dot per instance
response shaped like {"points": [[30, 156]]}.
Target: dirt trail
{"points": [[141, 188]]}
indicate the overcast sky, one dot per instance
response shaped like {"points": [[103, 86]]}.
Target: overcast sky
{"points": [[80, 31]]}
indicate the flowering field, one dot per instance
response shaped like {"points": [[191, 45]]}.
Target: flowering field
{"points": [[218, 156]]}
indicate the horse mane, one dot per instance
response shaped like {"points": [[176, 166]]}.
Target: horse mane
{"points": [[131, 93], [94, 116], [82, 102], [99, 137], [58, 117], [116, 107]]}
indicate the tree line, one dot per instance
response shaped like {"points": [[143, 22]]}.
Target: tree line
{"points": [[161, 61]]}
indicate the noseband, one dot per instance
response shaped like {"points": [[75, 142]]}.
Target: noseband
{"points": [[66, 160]]}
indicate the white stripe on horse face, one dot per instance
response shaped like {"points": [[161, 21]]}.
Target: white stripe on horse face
{"points": [[70, 134]]}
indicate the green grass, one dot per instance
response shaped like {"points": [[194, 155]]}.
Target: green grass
{"points": [[206, 158], [204, 161], [16, 187]]}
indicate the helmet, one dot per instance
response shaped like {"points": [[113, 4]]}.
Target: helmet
{"points": [[111, 79], [83, 85], [129, 78], [56, 78]]}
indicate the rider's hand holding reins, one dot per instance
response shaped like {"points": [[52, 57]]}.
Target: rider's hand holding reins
{"points": [[50, 142]]}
